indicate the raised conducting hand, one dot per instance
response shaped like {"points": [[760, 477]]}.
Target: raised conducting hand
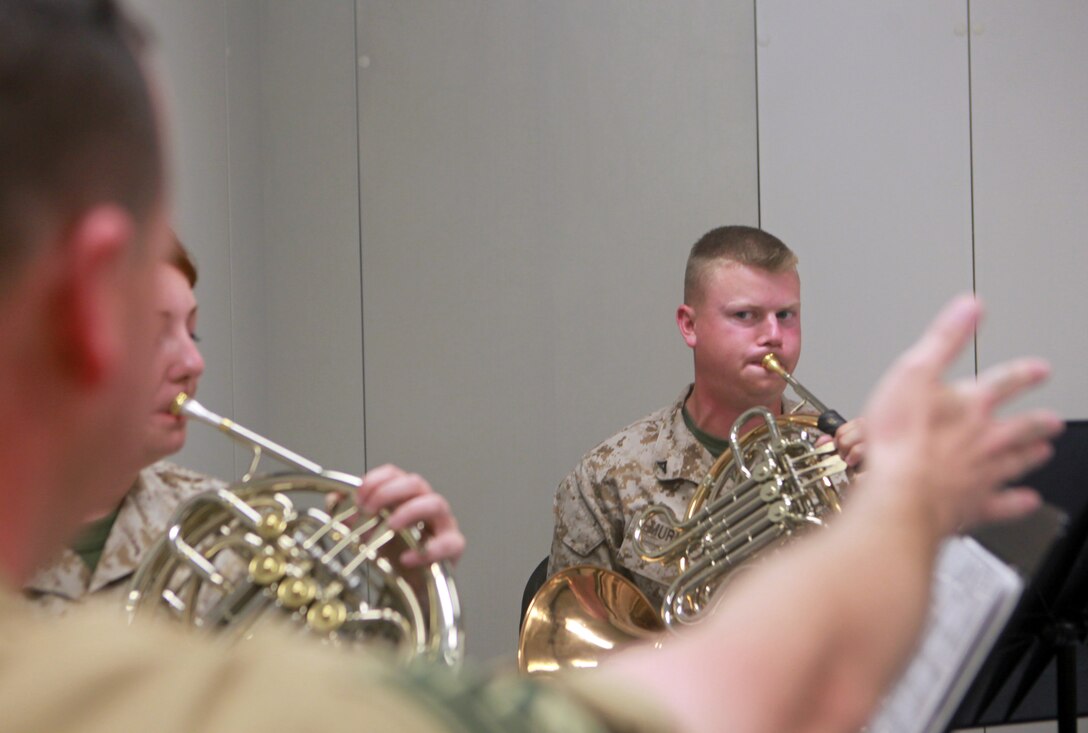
{"points": [[410, 499], [946, 438]]}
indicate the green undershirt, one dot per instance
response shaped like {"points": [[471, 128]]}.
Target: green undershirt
{"points": [[92, 539], [712, 443]]}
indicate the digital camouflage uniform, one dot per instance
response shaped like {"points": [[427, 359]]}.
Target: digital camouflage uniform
{"points": [[91, 673], [66, 582], [656, 460]]}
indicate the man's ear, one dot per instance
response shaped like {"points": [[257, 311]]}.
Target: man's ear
{"points": [[685, 319], [91, 324]]}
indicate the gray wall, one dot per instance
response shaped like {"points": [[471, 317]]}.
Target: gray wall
{"points": [[479, 212], [916, 148], [533, 175], [1029, 92], [865, 166]]}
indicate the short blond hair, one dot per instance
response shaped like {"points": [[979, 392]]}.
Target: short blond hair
{"points": [[736, 243]]}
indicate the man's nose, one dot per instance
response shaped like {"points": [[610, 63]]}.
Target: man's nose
{"points": [[771, 332], [192, 361]]}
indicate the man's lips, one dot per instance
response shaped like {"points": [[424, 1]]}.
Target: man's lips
{"points": [[758, 362], [169, 412]]}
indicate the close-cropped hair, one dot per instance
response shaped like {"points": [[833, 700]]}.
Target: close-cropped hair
{"points": [[740, 244], [77, 123]]}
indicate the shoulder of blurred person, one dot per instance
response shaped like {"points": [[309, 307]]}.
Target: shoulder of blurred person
{"points": [[66, 582], [155, 677]]}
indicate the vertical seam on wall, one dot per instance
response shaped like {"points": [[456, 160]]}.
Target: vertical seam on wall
{"points": [[230, 238], [359, 194], [755, 54], [971, 169]]}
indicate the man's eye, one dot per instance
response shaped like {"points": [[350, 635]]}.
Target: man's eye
{"points": [[743, 315], [786, 315]]}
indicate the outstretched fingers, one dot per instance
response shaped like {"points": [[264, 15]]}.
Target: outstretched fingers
{"points": [[1019, 445], [1000, 383], [1008, 504], [961, 453], [947, 335], [909, 394], [1032, 429]]}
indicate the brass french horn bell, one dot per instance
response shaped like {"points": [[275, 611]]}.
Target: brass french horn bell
{"points": [[581, 615]]}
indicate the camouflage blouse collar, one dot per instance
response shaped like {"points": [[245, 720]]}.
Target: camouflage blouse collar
{"points": [[678, 455], [68, 576]]}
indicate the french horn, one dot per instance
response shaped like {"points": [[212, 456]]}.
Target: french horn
{"points": [[772, 484], [296, 548]]}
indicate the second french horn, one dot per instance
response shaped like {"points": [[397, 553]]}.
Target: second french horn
{"points": [[294, 547], [772, 483]]}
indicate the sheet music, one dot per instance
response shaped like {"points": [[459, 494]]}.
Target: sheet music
{"points": [[974, 593]]}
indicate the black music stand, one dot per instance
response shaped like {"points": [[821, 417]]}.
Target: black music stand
{"points": [[1034, 671]]}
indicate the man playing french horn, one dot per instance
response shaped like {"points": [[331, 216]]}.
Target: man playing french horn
{"points": [[742, 301], [99, 562]]}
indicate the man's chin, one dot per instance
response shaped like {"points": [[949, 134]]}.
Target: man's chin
{"points": [[164, 446], [766, 394]]}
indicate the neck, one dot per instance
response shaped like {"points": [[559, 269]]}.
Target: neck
{"points": [[95, 514], [31, 401], [42, 485], [716, 417], [27, 525]]}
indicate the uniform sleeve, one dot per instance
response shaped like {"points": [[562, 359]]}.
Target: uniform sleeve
{"points": [[579, 537], [143, 677], [470, 700]]}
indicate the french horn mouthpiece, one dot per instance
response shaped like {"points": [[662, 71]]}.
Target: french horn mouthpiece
{"points": [[179, 401], [771, 364]]}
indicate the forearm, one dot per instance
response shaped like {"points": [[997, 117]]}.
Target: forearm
{"points": [[811, 640]]}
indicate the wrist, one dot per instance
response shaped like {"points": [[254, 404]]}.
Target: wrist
{"points": [[904, 499]]}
